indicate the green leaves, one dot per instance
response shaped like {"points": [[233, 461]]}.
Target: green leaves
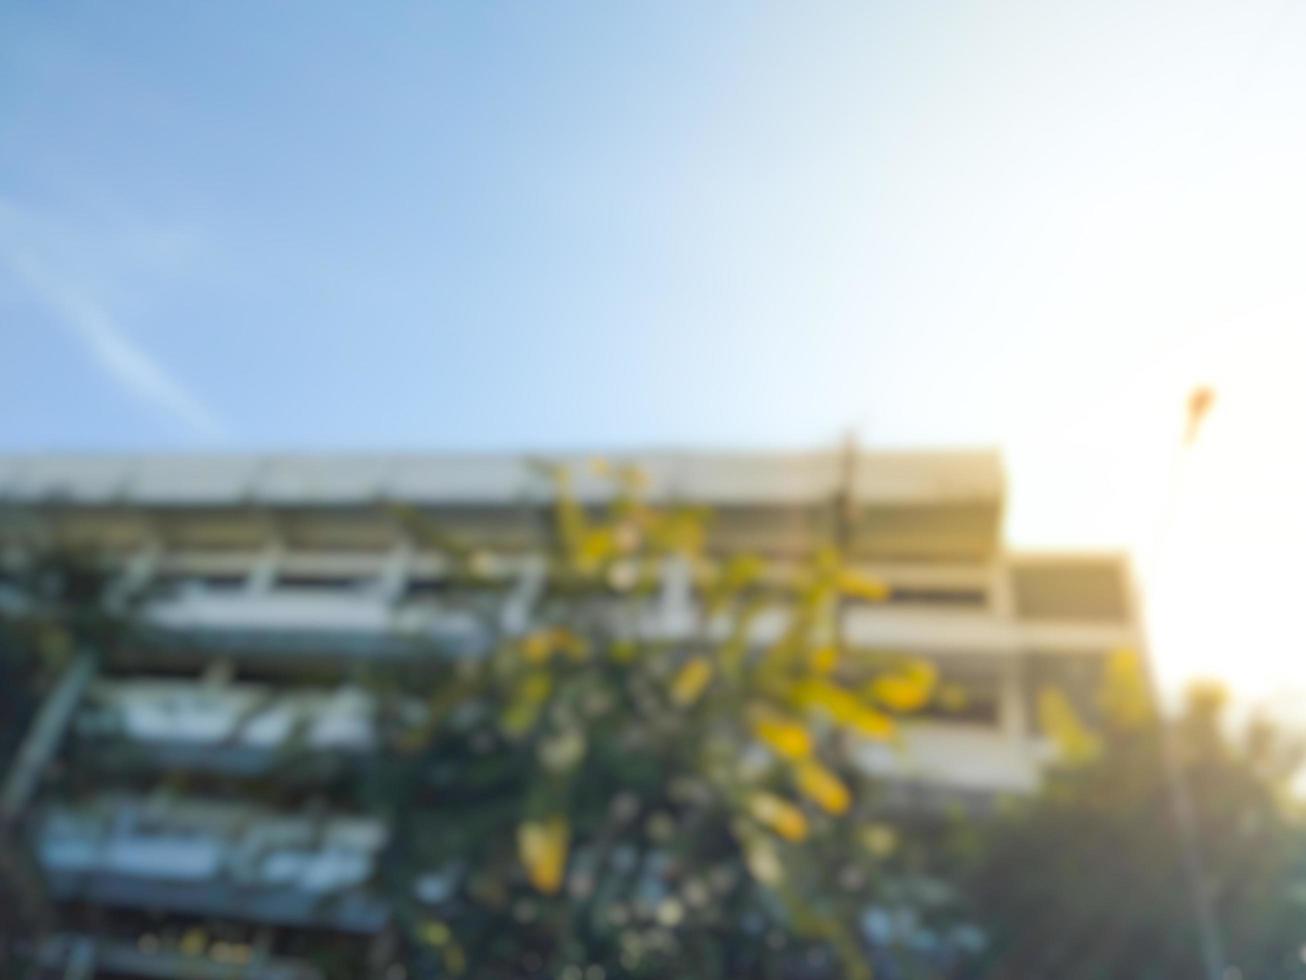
{"points": [[626, 762]]}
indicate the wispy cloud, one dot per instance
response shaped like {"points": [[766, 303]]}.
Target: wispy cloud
{"points": [[122, 359]]}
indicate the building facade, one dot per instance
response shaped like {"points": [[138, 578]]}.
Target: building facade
{"points": [[266, 586]]}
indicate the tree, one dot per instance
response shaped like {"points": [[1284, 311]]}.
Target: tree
{"points": [[1085, 882], [599, 798], [50, 606]]}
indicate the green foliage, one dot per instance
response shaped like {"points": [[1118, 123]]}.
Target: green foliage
{"points": [[1085, 881], [598, 794], [50, 607]]}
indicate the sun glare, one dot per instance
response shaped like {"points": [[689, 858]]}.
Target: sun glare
{"points": [[1225, 585]]}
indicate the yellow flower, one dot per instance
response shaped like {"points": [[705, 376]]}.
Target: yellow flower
{"points": [[542, 644], [788, 739], [537, 647], [1125, 694], [905, 690], [595, 547], [691, 681], [822, 660], [1073, 740], [843, 706], [870, 723], [780, 815], [828, 697], [542, 846], [822, 787], [862, 586]]}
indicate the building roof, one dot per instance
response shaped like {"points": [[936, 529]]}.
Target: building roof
{"points": [[731, 478]]}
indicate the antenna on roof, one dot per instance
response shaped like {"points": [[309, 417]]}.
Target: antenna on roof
{"points": [[846, 494]]}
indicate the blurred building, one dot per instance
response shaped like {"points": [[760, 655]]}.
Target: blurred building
{"points": [[267, 585]]}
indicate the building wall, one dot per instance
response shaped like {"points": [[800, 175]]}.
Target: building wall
{"points": [[264, 579]]}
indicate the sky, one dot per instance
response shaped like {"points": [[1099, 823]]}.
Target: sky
{"points": [[1028, 225]]}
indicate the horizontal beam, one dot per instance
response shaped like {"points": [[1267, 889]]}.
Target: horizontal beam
{"points": [[62, 952]]}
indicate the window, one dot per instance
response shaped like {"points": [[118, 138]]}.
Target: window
{"points": [[972, 598]]}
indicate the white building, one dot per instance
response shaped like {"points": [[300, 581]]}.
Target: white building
{"points": [[275, 566]]}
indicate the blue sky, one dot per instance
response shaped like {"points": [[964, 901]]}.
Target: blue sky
{"points": [[325, 225]]}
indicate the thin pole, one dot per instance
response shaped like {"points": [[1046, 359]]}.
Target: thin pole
{"points": [[1184, 813], [845, 499], [43, 738]]}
